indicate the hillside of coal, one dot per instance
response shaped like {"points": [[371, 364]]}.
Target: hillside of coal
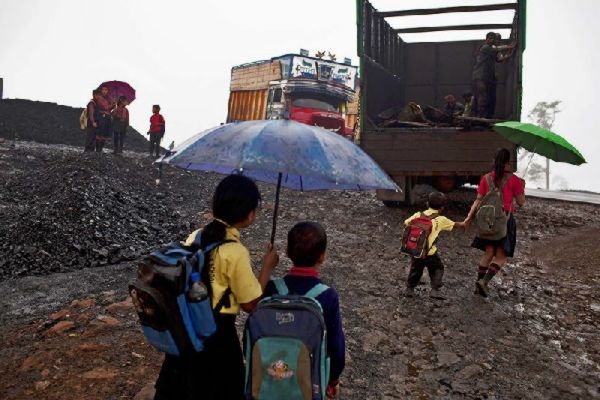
{"points": [[51, 123], [67, 210]]}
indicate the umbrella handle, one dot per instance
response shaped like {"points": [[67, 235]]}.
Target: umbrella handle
{"points": [[276, 208]]}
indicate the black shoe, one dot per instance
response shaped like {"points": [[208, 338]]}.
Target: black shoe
{"points": [[437, 294], [483, 288]]}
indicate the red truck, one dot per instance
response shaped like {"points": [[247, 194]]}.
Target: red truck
{"points": [[306, 89]]}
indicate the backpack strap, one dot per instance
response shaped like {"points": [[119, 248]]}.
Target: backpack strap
{"points": [[280, 286], [491, 183], [317, 290]]}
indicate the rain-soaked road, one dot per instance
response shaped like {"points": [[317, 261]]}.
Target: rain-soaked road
{"points": [[579, 197]]}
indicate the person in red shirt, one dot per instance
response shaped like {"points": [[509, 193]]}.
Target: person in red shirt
{"points": [[497, 251], [120, 121], [157, 130]]}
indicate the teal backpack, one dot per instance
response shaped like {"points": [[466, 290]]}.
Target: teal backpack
{"points": [[285, 344]]}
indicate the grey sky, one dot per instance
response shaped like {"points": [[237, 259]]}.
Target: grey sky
{"points": [[179, 54]]}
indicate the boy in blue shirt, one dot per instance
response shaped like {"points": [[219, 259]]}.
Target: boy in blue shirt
{"points": [[306, 245]]}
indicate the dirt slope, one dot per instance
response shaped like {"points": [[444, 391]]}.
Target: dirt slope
{"points": [[67, 329]]}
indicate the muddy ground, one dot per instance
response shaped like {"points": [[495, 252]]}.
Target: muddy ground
{"points": [[73, 226]]}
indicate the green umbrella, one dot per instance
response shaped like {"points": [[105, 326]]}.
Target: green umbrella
{"points": [[540, 141]]}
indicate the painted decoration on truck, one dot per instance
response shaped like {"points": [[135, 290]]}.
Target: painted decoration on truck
{"points": [[304, 67], [325, 72]]}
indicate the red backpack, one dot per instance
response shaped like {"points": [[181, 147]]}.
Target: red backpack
{"points": [[415, 236]]}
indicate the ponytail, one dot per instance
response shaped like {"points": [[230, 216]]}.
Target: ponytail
{"points": [[501, 158]]}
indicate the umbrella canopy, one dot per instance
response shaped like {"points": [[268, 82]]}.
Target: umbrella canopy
{"points": [[283, 152], [540, 141], [117, 89], [309, 157]]}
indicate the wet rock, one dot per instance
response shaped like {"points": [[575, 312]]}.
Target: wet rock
{"points": [[469, 372], [100, 373], [447, 359], [60, 327]]}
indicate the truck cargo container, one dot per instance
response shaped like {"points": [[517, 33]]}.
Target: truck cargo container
{"points": [[395, 72], [306, 89]]}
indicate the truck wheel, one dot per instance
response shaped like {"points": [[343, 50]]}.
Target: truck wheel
{"points": [[445, 184]]}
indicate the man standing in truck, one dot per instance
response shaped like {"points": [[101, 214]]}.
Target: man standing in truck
{"points": [[484, 74]]}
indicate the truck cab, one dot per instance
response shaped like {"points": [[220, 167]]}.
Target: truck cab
{"points": [[285, 100], [310, 90]]}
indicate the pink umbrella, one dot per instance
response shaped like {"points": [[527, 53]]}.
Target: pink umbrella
{"points": [[117, 89]]}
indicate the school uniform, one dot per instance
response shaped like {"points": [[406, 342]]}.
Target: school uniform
{"points": [[511, 189], [433, 262], [218, 372]]}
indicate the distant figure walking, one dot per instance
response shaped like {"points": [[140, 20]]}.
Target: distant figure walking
{"points": [[92, 122], [156, 131], [512, 189], [120, 115], [484, 74]]}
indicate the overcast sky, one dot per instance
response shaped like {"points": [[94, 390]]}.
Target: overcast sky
{"points": [[179, 54]]}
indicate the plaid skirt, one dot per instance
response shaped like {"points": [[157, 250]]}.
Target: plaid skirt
{"points": [[508, 242]]}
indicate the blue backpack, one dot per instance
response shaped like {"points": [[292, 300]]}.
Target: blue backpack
{"points": [[285, 344], [171, 320]]}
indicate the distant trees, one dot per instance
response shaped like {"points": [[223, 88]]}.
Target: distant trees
{"points": [[543, 115]]}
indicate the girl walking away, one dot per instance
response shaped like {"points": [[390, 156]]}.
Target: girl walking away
{"points": [[218, 371], [120, 116], [512, 189]]}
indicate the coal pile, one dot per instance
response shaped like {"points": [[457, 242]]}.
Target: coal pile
{"points": [[68, 210], [51, 123]]}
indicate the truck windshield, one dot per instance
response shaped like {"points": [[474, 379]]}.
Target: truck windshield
{"points": [[314, 103]]}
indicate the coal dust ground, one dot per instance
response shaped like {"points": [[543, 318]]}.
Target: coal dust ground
{"points": [[74, 224]]}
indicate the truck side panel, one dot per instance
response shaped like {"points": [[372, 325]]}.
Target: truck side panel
{"points": [[427, 153], [249, 89], [245, 105], [255, 76]]}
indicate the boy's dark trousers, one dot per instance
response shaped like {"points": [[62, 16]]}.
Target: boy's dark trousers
{"points": [[435, 267], [118, 139], [155, 138]]}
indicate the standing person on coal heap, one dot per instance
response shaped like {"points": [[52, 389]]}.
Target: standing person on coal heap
{"points": [[105, 118], [120, 115], [93, 115], [156, 131]]}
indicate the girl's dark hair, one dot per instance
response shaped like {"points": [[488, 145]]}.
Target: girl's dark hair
{"points": [[306, 242], [234, 198], [501, 157]]}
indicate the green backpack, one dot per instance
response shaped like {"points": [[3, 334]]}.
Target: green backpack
{"points": [[491, 218]]}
